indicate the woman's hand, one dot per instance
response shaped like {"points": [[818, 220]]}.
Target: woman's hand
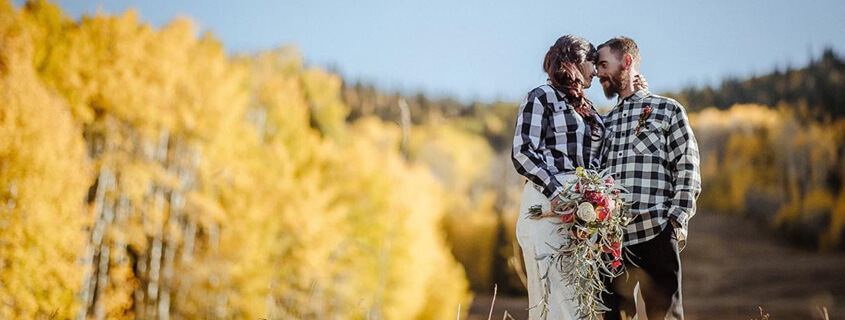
{"points": [[555, 203], [640, 83]]}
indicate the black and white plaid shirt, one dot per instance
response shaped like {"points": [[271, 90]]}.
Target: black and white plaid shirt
{"points": [[659, 164], [550, 138]]}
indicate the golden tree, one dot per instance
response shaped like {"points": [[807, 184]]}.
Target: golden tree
{"points": [[42, 183]]}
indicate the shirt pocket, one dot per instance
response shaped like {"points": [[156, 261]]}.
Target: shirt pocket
{"points": [[650, 140], [565, 120]]}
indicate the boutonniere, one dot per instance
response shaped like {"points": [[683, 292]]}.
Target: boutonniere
{"points": [[643, 117]]}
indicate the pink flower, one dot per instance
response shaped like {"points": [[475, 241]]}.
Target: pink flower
{"points": [[611, 205]]}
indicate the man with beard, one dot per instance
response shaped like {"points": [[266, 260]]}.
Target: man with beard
{"points": [[651, 151]]}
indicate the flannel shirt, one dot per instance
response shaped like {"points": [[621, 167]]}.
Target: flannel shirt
{"points": [[658, 163], [550, 138]]}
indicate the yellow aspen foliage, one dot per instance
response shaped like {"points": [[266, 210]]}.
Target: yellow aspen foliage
{"points": [[217, 187], [327, 109], [395, 214], [462, 162], [367, 241], [42, 184], [777, 164], [833, 236], [46, 24], [150, 101], [733, 142]]}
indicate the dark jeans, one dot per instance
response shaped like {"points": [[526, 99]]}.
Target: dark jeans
{"points": [[656, 264]]}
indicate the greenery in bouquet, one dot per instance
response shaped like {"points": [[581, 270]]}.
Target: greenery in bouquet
{"points": [[593, 218]]}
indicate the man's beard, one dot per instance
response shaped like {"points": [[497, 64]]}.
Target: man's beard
{"points": [[616, 83]]}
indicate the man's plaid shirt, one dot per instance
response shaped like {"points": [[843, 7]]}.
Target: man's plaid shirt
{"points": [[551, 138], [658, 164]]}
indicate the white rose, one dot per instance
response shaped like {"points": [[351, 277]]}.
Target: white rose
{"points": [[586, 212]]}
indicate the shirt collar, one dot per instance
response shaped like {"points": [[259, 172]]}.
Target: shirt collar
{"points": [[636, 97]]}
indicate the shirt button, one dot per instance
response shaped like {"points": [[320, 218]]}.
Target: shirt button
{"points": [[620, 154], [624, 114]]}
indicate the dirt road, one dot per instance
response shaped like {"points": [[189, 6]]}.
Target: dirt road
{"points": [[731, 267]]}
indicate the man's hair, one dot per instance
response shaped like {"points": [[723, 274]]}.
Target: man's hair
{"points": [[621, 45]]}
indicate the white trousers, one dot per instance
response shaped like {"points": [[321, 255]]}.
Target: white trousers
{"points": [[538, 237]]}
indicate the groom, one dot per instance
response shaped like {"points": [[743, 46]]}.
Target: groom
{"points": [[652, 151]]}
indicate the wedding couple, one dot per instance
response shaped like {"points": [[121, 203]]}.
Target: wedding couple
{"points": [[648, 146]]}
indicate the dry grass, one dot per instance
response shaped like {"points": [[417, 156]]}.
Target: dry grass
{"points": [[823, 313]]}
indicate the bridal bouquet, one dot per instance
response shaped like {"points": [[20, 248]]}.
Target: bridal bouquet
{"points": [[593, 220]]}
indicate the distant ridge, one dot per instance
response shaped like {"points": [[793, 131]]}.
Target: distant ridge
{"points": [[820, 86]]}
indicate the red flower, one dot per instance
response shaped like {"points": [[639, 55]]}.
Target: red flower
{"points": [[615, 249], [604, 200], [609, 180], [602, 213], [567, 218], [643, 116], [646, 113], [593, 197], [616, 264]]}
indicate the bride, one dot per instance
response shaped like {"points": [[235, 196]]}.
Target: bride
{"points": [[557, 131]]}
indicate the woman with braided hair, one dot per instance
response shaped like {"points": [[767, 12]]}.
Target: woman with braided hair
{"points": [[557, 131]]}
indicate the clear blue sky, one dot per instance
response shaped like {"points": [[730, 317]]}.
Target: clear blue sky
{"points": [[492, 50]]}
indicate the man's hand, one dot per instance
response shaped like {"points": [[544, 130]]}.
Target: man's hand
{"points": [[675, 223], [678, 235]]}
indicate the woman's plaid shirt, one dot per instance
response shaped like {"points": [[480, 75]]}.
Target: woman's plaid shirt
{"points": [[658, 163], [550, 138]]}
